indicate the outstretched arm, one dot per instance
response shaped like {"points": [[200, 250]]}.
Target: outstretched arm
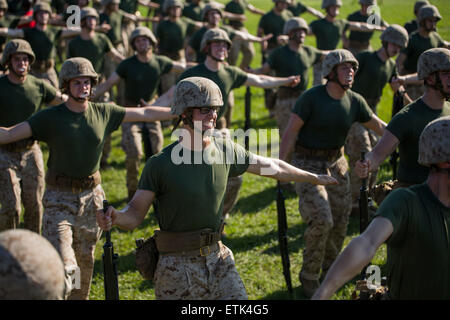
{"points": [[267, 82], [281, 170], [315, 12], [355, 257], [18, 132]]}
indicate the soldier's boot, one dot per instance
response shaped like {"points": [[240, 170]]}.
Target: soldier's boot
{"points": [[309, 286]]}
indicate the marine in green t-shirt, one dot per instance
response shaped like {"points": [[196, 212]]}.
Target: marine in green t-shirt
{"points": [[273, 23], [328, 33], [193, 10], [413, 222]]}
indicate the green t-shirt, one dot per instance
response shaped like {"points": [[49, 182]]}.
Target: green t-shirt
{"points": [[227, 78], [19, 101], [373, 74], [142, 78], [236, 8], [129, 6], [115, 21], [42, 42], [406, 126], [297, 9], [94, 49], [417, 45], [196, 41], [76, 139], [193, 11], [363, 37], [273, 23], [327, 120], [190, 193], [171, 35], [328, 33], [287, 63], [418, 250], [411, 26]]}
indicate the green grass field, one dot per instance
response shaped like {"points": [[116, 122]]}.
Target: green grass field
{"points": [[252, 227]]}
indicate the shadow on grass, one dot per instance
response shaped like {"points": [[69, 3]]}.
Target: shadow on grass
{"points": [[259, 201]]}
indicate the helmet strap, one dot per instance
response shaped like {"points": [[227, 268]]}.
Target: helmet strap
{"points": [[212, 57], [335, 78]]}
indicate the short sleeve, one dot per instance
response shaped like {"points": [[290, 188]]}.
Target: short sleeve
{"points": [[303, 107], [241, 161], [121, 69], [393, 208], [40, 123], [364, 113], [239, 76], [49, 91], [165, 64], [150, 176], [399, 125], [115, 116]]}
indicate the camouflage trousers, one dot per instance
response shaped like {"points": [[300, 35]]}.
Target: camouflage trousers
{"points": [[248, 52], [48, 75], [326, 211], [70, 225], [359, 139], [414, 91], [317, 73], [21, 180], [190, 277], [283, 110], [132, 145]]}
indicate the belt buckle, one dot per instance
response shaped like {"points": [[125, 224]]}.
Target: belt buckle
{"points": [[202, 253]]}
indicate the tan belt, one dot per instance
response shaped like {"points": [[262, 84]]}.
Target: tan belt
{"points": [[201, 242], [18, 146], [319, 154], [75, 185]]}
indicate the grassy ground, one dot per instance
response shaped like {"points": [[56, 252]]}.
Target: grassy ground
{"points": [[252, 227]]}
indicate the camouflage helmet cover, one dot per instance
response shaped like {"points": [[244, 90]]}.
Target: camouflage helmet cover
{"points": [[89, 12], [142, 32], [337, 57], [432, 60], [295, 23], [215, 34], [196, 92], [77, 67], [329, 3], [395, 34], [419, 4], [17, 46], [428, 11], [434, 142], [42, 6], [368, 2], [172, 3], [3, 4], [211, 6], [30, 267]]}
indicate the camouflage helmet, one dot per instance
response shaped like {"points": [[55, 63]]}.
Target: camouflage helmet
{"points": [[211, 6], [30, 267], [337, 57], [77, 67], [295, 23], [89, 12], [428, 12], [434, 142], [172, 3], [329, 3], [108, 2], [4, 5], [368, 2], [215, 34], [419, 4], [42, 6], [17, 46], [142, 32], [432, 60], [196, 92], [395, 34]]}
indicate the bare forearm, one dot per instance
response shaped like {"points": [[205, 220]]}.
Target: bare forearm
{"points": [[355, 257], [128, 218], [288, 172]]}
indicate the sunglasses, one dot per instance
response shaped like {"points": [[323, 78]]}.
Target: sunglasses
{"points": [[206, 110]]}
